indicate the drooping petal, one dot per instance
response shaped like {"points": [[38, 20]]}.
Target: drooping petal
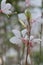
{"points": [[15, 40], [16, 33]]}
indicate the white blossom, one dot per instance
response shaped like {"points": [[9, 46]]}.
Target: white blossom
{"points": [[17, 38], [35, 40], [6, 8]]}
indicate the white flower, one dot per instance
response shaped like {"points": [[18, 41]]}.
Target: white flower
{"points": [[17, 39], [6, 8], [35, 40]]}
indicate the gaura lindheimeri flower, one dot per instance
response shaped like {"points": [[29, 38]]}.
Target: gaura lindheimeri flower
{"points": [[17, 39], [32, 41], [22, 37], [6, 8]]}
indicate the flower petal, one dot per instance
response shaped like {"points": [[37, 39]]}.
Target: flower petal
{"points": [[15, 40], [24, 31], [37, 40], [16, 33], [31, 37]]}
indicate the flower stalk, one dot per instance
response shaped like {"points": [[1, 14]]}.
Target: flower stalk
{"points": [[28, 29]]}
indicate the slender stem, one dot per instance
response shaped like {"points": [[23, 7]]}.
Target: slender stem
{"points": [[26, 54], [28, 45]]}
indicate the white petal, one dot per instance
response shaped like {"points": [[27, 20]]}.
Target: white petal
{"points": [[31, 37], [8, 5], [29, 60], [23, 32], [16, 33], [22, 17], [26, 37], [37, 40], [7, 12], [15, 40], [3, 3]]}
